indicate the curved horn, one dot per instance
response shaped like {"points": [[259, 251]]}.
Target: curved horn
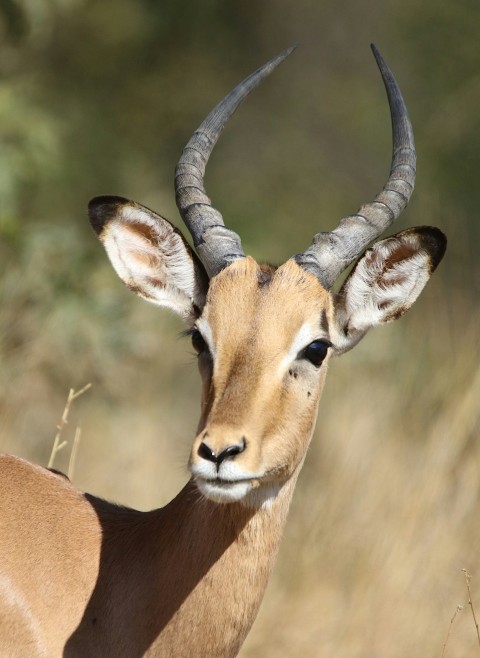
{"points": [[216, 245], [330, 253]]}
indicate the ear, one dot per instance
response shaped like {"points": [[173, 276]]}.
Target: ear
{"points": [[150, 255], [385, 282]]}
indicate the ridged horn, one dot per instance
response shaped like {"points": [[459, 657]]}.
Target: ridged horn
{"points": [[332, 252], [216, 245]]}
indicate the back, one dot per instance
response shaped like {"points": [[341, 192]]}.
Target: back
{"points": [[50, 542]]}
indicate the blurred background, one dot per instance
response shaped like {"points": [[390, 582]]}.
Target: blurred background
{"points": [[100, 97]]}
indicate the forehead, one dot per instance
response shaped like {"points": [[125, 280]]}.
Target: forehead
{"points": [[245, 296]]}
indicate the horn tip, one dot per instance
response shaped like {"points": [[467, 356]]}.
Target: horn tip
{"points": [[285, 53], [382, 65], [376, 53]]}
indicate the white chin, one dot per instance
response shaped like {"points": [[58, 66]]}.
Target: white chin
{"points": [[224, 492]]}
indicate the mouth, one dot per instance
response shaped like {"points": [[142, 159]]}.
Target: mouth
{"points": [[220, 490]]}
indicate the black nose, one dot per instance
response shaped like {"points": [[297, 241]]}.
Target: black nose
{"points": [[206, 452]]}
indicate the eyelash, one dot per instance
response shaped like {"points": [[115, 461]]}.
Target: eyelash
{"points": [[198, 341]]}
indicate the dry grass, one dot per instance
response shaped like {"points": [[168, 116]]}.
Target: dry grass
{"points": [[468, 579], [58, 444]]}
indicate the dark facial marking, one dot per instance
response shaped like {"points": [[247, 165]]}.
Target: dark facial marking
{"points": [[264, 275], [324, 324]]}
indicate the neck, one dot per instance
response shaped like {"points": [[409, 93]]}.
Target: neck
{"points": [[194, 570], [227, 554]]}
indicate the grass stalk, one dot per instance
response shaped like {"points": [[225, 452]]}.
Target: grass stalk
{"points": [[57, 443], [468, 579]]}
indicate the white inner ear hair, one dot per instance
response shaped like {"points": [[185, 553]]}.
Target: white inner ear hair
{"points": [[378, 292], [152, 259]]}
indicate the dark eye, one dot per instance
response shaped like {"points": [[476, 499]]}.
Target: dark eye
{"points": [[316, 352], [198, 342]]}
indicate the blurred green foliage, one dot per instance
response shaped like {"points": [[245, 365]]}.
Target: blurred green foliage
{"points": [[100, 97]]}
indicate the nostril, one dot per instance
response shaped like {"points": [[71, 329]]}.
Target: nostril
{"points": [[206, 452], [232, 451]]}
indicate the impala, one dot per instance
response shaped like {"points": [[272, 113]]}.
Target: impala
{"points": [[81, 577]]}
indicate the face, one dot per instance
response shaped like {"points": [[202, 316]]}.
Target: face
{"points": [[263, 337], [263, 344]]}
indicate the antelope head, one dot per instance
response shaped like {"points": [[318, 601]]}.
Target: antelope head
{"points": [[264, 335]]}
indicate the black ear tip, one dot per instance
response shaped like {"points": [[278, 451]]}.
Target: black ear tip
{"points": [[106, 200], [434, 241], [102, 208]]}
